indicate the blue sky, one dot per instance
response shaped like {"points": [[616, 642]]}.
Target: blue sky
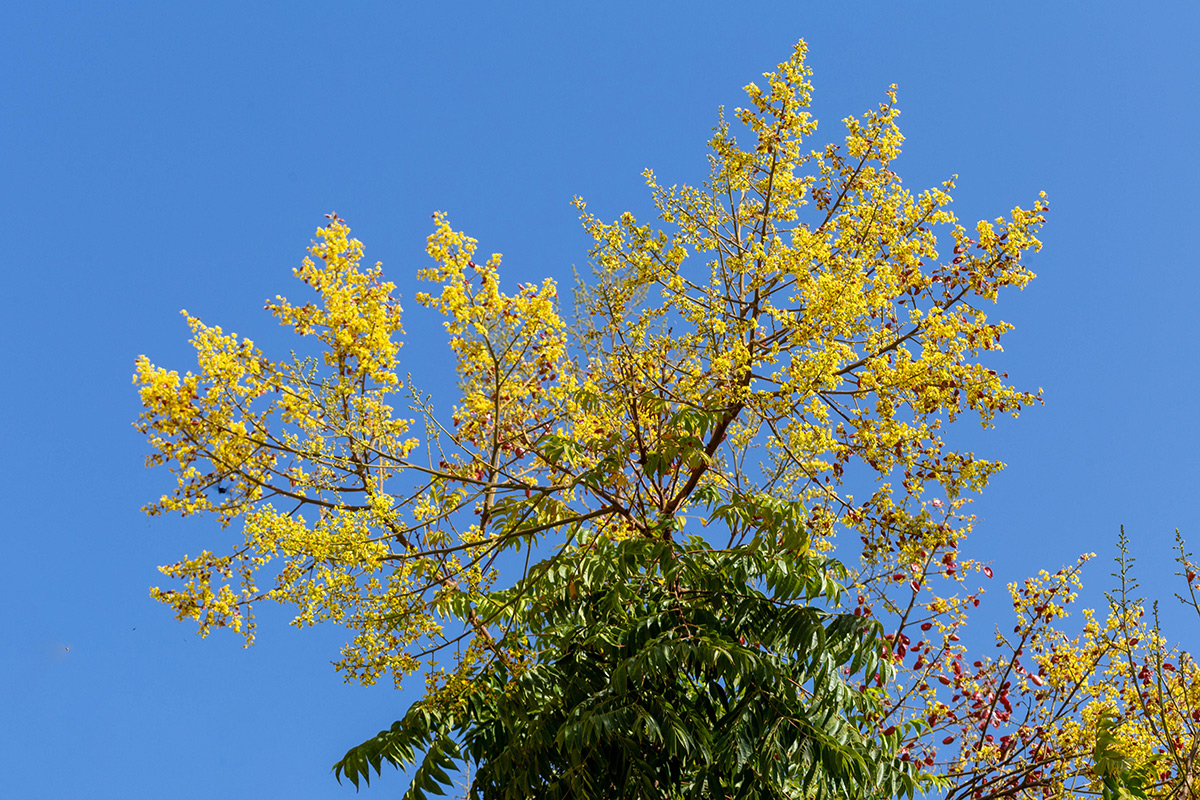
{"points": [[157, 156]]}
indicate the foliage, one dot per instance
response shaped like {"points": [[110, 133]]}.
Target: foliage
{"points": [[660, 672], [776, 367], [1111, 710], [1121, 780]]}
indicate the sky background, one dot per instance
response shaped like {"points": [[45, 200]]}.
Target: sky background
{"points": [[159, 156]]}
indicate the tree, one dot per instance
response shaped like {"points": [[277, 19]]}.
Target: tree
{"points": [[774, 366], [680, 678], [1112, 710]]}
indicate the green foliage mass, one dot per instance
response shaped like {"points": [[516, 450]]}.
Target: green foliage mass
{"points": [[664, 669]]}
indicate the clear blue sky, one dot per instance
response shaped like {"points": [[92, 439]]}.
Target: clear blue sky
{"points": [[156, 156]]}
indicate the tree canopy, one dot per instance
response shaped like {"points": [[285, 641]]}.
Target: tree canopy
{"points": [[703, 539]]}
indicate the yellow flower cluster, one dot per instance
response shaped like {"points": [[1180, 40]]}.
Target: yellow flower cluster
{"points": [[794, 333]]}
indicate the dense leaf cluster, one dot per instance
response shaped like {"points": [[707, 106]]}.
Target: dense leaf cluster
{"points": [[662, 669]]}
